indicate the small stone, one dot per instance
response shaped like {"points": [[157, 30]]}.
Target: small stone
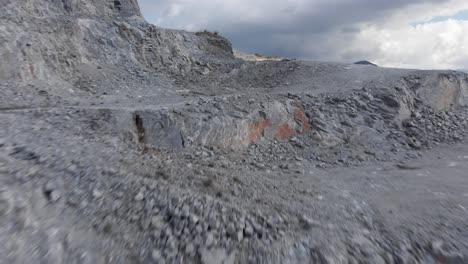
{"points": [[240, 223], [231, 230], [298, 158], [157, 222], [185, 210], [174, 200], [134, 218], [167, 232], [214, 223], [107, 228], [240, 236], [97, 193], [361, 157], [139, 197], [189, 249], [170, 243], [437, 246], [209, 240], [248, 230], [145, 223], [235, 192], [49, 187], [55, 195], [73, 199], [307, 223], [194, 219], [156, 255], [261, 166], [199, 229], [257, 228], [275, 220], [415, 144], [52, 192], [116, 205], [281, 233]]}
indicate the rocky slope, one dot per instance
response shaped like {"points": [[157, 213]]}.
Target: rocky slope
{"points": [[122, 142], [80, 48]]}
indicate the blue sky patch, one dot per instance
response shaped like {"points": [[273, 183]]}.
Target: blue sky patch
{"points": [[460, 15]]}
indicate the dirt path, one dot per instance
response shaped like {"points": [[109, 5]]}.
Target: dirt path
{"points": [[427, 198]]}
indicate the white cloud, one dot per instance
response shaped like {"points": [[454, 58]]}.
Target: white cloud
{"points": [[175, 10], [398, 42], [440, 45]]}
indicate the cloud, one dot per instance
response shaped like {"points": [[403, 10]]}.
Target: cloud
{"points": [[398, 33], [433, 45]]}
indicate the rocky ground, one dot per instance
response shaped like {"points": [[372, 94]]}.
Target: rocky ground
{"points": [[121, 142]]}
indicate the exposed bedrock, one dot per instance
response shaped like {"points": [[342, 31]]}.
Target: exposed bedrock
{"points": [[70, 41], [440, 91], [234, 122], [180, 128]]}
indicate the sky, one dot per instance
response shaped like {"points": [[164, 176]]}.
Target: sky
{"points": [[423, 34]]}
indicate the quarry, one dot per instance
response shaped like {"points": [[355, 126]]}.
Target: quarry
{"points": [[124, 142]]}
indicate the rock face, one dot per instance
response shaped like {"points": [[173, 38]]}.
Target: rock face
{"points": [[442, 91], [78, 41], [200, 125], [235, 122]]}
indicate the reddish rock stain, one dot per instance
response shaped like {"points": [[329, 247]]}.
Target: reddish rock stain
{"points": [[257, 129], [284, 132]]}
